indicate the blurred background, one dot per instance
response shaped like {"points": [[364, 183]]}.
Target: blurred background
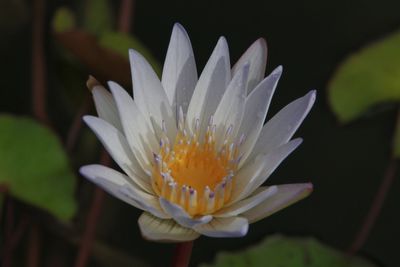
{"points": [[348, 50]]}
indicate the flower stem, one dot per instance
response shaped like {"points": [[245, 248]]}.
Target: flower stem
{"points": [[33, 257], [125, 15], [183, 251], [38, 63], [90, 226], [380, 196], [76, 126]]}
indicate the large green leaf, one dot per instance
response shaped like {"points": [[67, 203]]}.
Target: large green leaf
{"points": [[367, 78], [121, 43], [282, 251], [34, 167]]}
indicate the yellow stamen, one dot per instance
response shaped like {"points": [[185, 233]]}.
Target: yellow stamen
{"points": [[195, 175]]}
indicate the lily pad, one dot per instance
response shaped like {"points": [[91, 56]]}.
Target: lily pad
{"points": [[367, 78], [283, 251], [34, 167]]}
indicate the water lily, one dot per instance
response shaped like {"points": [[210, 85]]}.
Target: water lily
{"points": [[194, 151]]}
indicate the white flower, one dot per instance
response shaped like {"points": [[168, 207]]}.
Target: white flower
{"points": [[194, 151]]}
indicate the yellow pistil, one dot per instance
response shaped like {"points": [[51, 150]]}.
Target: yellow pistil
{"points": [[195, 175]]}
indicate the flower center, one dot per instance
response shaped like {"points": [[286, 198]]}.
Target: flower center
{"points": [[195, 175]]}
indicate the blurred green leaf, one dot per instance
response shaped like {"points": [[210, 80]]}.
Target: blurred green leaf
{"points": [[367, 78], [282, 251], [34, 167], [63, 20], [97, 17], [121, 43]]}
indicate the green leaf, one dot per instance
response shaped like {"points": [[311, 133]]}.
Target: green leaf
{"points": [[367, 78], [63, 20], [282, 251], [97, 17], [34, 167], [121, 43]]}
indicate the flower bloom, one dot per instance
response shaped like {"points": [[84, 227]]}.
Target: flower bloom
{"points": [[195, 150]]}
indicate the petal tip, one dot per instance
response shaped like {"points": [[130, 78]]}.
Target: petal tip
{"points": [[178, 28], [222, 43], [278, 69], [86, 171], [243, 231], [312, 95], [309, 188], [88, 119]]}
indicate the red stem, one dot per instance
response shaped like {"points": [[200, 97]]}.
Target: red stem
{"points": [[379, 199], [34, 246], [9, 223], [182, 254], [124, 25], [76, 125], [91, 221], [125, 15], [375, 209], [38, 63]]}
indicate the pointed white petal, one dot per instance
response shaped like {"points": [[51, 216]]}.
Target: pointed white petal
{"points": [[179, 75], [138, 133], [210, 87], [284, 124], [110, 183], [260, 195], [224, 227], [180, 215], [256, 173], [153, 228], [105, 106], [231, 108], [150, 203], [124, 188], [256, 55], [118, 148], [149, 95], [257, 104], [286, 195]]}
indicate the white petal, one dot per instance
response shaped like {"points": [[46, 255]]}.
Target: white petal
{"points": [[257, 104], [180, 215], [110, 183], [210, 87], [255, 174], [284, 124], [150, 203], [256, 54], [179, 75], [119, 184], [117, 146], [149, 95], [239, 207], [224, 227], [105, 106], [231, 108], [153, 228], [286, 195], [138, 133]]}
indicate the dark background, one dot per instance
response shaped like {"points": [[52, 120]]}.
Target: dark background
{"points": [[309, 38]]}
